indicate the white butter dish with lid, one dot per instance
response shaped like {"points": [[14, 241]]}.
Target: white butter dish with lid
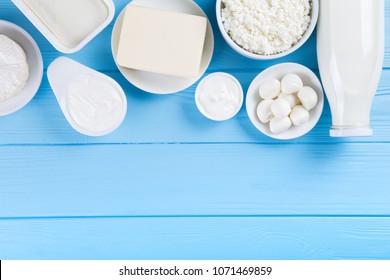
{"points": [[93, 103], [82, 25]]}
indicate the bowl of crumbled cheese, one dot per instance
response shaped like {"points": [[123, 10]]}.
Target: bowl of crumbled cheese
{"points": [[266, 29], [21, 68]]}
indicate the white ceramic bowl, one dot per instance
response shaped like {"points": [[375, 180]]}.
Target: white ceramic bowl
{"points": [[253, 99], [240, 50], [35, 64], [158, 83], [40, 25], [198, 93]]}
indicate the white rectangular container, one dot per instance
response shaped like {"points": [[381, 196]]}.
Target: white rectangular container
{"points": [[52, 38]]}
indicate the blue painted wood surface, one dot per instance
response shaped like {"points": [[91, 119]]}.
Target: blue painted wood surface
{"points": [[170, 184]]}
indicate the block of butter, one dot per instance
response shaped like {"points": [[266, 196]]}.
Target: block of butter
{"points": [[161, 42]]}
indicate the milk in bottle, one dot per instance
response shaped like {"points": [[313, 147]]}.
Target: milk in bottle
{"points": [[350, 47]]}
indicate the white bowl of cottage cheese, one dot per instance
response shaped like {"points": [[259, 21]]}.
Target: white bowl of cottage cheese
{"points": [[265, 29]]}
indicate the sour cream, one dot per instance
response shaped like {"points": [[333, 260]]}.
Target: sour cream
{"points": [[219, 96], [94, 104]]}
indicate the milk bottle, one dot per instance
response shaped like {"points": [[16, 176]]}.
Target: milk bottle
{"points": [[350, 51]]}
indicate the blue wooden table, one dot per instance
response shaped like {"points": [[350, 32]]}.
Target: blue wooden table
{"points": [[170, 184]]}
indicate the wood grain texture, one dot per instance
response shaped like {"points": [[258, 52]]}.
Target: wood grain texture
{"points": [[115, 180], [170, 184], [196, 238]]}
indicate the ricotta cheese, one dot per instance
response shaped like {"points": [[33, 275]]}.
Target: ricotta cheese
{"points": [[266, 27], [14, 70]]}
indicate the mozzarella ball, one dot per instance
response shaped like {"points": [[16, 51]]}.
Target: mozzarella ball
{"points": [[308, 97], [291, 83], [299, 115], [278, 126], [264, 111], [280, 108], [270, 89], [292, 99]]}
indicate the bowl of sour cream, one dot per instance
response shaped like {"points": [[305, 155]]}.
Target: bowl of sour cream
{"points": [[219, 96]]}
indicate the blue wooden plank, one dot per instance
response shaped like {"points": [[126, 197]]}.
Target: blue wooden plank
{"points": [[315, 176], [210, 179], [196, 238]]}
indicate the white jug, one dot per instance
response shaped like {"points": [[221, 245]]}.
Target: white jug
{"points": [[350, 47]]}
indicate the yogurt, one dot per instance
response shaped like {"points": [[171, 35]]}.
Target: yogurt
{"points": [[219, 96], [94, 104]]}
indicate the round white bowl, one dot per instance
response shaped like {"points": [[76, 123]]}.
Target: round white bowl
{"points": [[198, 92], [159, 83], [253, 99], [242, 51], [35, 64]]}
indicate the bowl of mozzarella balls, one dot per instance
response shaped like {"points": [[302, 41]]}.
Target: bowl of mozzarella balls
{"points": [[264, 29], [285, 101]]}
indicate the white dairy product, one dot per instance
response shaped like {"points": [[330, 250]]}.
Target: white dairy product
{"points": [[280, 108], [71, 21], [94, 103], [308, 98], [291, 83], [14, 70], [350, 47], [219, 96], [264, 111], [299, 115], [266, 27], [278, 126], [270, 89], [291, 99], [287, 110], [162, 42]]}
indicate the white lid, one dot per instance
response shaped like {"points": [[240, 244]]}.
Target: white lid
{"points": [[52, 38]]}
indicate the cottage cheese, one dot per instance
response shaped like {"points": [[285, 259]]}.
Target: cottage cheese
{"points": [[266, 27]]}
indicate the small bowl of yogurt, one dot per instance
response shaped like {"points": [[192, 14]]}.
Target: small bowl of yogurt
{"points": [[264, 30], [219, 96]]}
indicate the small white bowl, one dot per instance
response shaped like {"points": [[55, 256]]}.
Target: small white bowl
{"points": [[35, 64], [242, 51], [199, 91], [253, 99], [40, 25]]}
